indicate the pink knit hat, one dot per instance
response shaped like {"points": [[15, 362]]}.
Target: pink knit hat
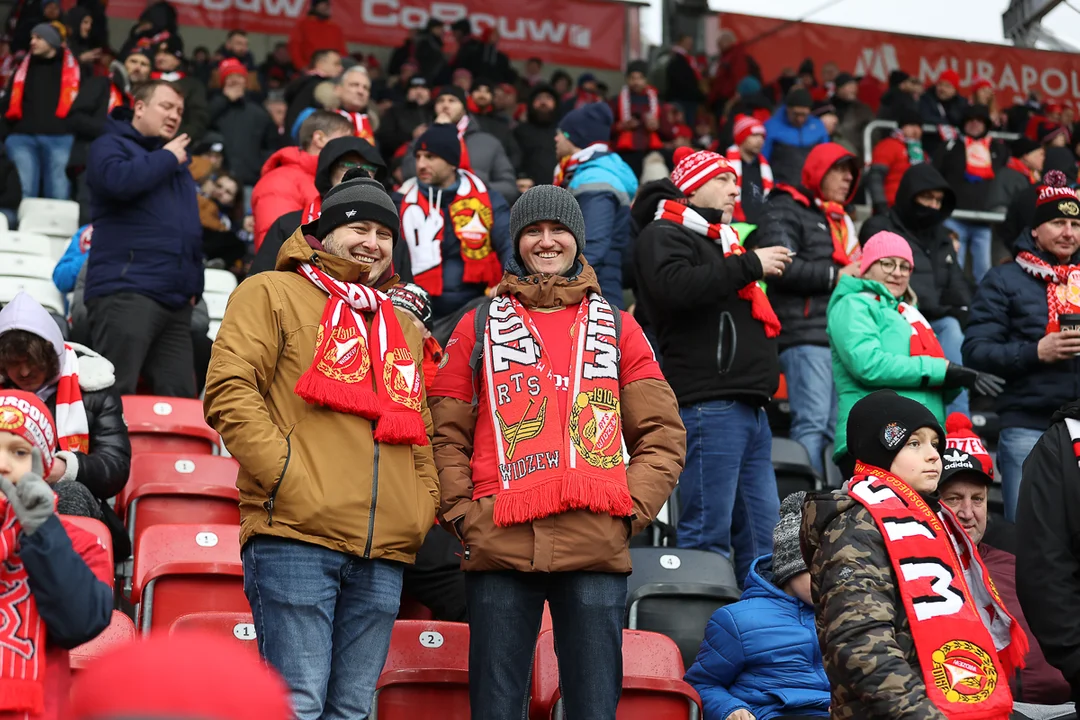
{"points": [[884, 245]]}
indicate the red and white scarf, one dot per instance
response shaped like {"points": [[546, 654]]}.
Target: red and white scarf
{"points": [[72, 428], [967, 643], [690, 60], [423, 225], [69, 87], [347, 358], [564, 171], [979, 162], [1018, 165], [117, 98], [625, 140], [734, 158], [846, 247], [550, 464], [462, 126], [726, 237], [1062, 287], [314, 211], [22, 645], [168, 76], [923, 340], [361, 124]]}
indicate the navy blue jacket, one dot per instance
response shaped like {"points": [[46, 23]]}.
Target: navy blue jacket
{"points": [[761, 654], [147, 235], [1007, 320]]}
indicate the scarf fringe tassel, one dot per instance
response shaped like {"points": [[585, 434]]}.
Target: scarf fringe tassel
{"points": [[401, 428], [516, 506], [17, 694], [315, 387], [596, 493]]}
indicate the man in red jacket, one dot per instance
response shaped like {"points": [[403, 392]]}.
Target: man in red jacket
{"points": [[315, 32], [288, 177]]}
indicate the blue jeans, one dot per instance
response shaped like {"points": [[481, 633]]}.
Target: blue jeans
{"points": [[976, 237], [42, 159], [1014, 445], [505, 609], [808, 369], [323, 619], [727, 490], [951, 338]]}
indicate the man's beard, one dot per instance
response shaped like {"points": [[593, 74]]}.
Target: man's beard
{"points": [[541, 117]]}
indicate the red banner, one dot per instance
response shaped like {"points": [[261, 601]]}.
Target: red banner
{"points": [[562, 32], [1014, 71]]}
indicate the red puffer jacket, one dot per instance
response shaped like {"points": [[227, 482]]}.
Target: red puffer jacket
{"points": [[287, 185]]}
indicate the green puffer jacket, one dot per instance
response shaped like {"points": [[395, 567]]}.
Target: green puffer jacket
{"points": [[871, 350]]}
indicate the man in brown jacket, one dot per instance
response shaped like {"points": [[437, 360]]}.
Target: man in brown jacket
{"points": [[337, 484], [534, 480]]}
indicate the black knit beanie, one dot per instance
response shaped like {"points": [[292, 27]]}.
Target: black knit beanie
{"points": [[880, 424], [357, 200]]}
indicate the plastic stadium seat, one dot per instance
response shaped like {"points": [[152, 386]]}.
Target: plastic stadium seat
{"points": [[215, 304], [167, 424], [170, 489], [26, 266], [183, 569], [41, 290], [59, 218], [120, 630], [426, 674], [4, 223], [96, 528], [987, 425], [212, 331], [217, 281], [239, 626], [792, 465], [24, 243], [653, 688], [675, 591]]}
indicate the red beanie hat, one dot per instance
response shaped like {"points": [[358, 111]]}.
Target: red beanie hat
{"points": [[695, 168], [745, 126], [951, 77], [23, 414], [231, 66], [188, 675], [964, 451], [980, 83]]}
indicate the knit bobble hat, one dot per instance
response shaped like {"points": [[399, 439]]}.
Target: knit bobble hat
{"points": [[1056, 200], [355, 201], [546, 202], [787, 560], [588, 124], [964, 453], [884, 244], [745, 126], [441, 139], [695, 168], [414, 299], [880, 424], [22, 413], [231, 66]]}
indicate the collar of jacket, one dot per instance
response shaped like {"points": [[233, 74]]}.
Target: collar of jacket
{"points": [[302, 247], [550, 291]]}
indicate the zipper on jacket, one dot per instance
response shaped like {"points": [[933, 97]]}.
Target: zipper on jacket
{"points": [[269, 504], [374, 496]]}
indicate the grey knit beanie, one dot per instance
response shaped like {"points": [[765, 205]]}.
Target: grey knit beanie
{"points": [[787, 560], [551, 203], [355, 200], [48, 33]]}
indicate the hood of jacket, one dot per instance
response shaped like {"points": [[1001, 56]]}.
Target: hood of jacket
{"points": [[819, 511], [759, 582], [1068, 410], [649, 196], [851, 285], [337, 149], [820, 160], [549, 291], [917, 179], [607, 169], [302, 247], [292, 157]]}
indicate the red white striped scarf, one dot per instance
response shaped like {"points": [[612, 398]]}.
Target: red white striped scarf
{"points": [[314, 211], [69, 87], [72, 429], [361, 125], [564, 171], [726, 237], [22, 638], [1062, 287], [846, 247], [734, 158], [347, 357], [1018, 165], [462, 126], [625, 140]]}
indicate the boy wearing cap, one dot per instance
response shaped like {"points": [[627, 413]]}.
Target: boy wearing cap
{"points": [[760, 657], [34, 109], [604, 186], [415, 301], [56, 577], [752, 171], [1015, 329], [533, 477], [336, 481]]}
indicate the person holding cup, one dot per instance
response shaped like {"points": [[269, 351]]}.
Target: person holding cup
{"points": [[1024, 325]]}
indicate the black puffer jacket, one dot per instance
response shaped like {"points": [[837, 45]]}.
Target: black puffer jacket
{"points": [[711, 345], [937, 280], [791, 218]]}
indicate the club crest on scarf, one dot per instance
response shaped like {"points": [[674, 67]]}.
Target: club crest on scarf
{"points": [[472, 224], [964, 672], [400, 378], [595, 427], [344, 357]]}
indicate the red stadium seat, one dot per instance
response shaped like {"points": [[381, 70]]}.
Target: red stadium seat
{"points": [[182, 569], [426, 673], [121, 630], [545, 676], [95, 528], [238, 626], [166, 488], [167, 424]]}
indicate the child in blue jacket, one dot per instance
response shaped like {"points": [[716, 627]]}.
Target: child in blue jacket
{"points": [[760, 658], [70, 265]]}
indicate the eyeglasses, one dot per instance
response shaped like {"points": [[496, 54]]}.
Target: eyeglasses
{"points": [[890, 266], [349, 165]]}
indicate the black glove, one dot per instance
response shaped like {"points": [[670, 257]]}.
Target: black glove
{"points": [[983, 383]]}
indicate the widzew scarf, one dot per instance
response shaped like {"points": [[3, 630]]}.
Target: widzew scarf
{"points": [[550, 464], [422, 228], [361, 125], [22, 651], [734, 158], [1018, 165], [724, 236], [69, 87], [846, 247], [625, 140], [347, 358], [915, 153], [72, 428], [967, 643], [564, 171], [979, 164], [1062, 287]]}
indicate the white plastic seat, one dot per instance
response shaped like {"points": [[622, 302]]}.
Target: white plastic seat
{"points": [[26, 266], [25, 243], [4, 223], [215, 325], [58, 218], [215, 304], [41, 290], [57, 247], [219, 281]]}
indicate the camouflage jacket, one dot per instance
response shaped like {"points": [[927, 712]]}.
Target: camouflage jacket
{"points": [[862, 628]]}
